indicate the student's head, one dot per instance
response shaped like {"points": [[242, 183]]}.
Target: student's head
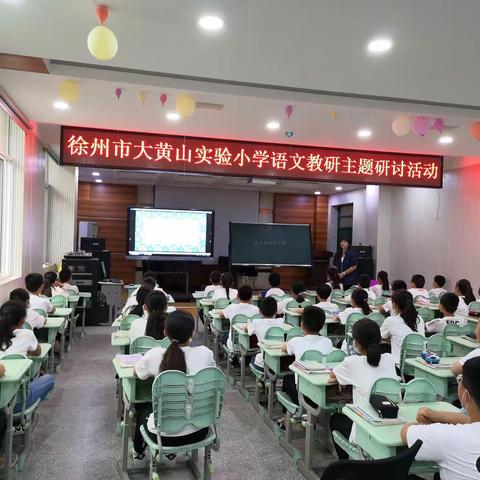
{"points": [[179, 328], [215, 277], [12, 316], [65, 275], [142, 292], [151, 274], [402, 304], [323, 291], [148, 283], [274, 280], [245, 293], [366, 334], [448, 303], [313, 319], [226, 280], [439, 281], [46, 289], [22, 295], [364, 281], [463, 288], [156, 307], [399, 285], [51, 277], [382, 278], [469, 387], [297, 289], [344, 244], [360, 300], [333, 277], [34, 282], [418, 281], [268, 307]]}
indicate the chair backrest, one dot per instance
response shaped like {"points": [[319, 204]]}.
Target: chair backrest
{"points": [[351, 319], [210, 294], [412, 346], [27, 326], [377, 317], [393, 468], [255, 317], [276, 297], [294, 332], [286, 297], [438, 344], [348, 293], [41, 312], [238, 318], [337, 293], [126, 321], [59, 301], [434, 300], [474, 307], [426, 313], [456, 330], [144, 344], [221, 303], [419, 390], [181, 400], [71, 292], [334, 356], [275, 333], [379, 301], [295, 304], [389, 387], [386, 293]]}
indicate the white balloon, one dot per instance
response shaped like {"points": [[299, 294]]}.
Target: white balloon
{"points": [[401, 125]]}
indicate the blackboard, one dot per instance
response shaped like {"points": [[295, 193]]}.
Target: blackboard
{"points": [[270, 244]]}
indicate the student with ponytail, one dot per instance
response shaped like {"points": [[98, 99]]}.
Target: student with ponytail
{"points": [[464, 290], [361, 371], [152, 322], [405, 320], [226, 290], [359, 302], [383, 284], [179, 328], [333, 279]]}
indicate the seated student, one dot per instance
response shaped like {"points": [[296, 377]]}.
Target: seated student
{"points": [[417, 287], [448, 306], [243, 306], [457, 367], [259, 326], [364, 282], [34, 285], [323, 294], [149, 283], [152, 322], [226, 290], [46, 289], [151, 274], [396, 285], [437, 285], [34, 319], [215, 278], [179, 328], [65, 277], [55, 285], [361, 371], [16, 339], [405, 320], [297, 294], [274, 281], [359, 302], [142, 292], [463, 289], [454, 447], [333, 279], [383, 284]]}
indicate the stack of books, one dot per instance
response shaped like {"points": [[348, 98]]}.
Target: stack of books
{"points": [[126, 361], [310, 367]]}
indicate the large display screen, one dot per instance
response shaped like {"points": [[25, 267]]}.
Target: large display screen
{"points": [[186, 233]]}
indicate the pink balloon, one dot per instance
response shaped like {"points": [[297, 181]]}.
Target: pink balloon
{"points": [[438, 125], [163, 99], [289, 110], [118, 93], [420, 126]]}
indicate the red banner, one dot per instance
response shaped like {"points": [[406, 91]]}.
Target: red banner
{"points": [[146, 151]]}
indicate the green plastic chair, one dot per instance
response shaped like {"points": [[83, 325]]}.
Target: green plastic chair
{"points": [[285, 297], [352, 318], [41, 312], [59, 301], [71, 292], [379, 301], [126, 322], [348, 293], [295, 304], [427, 314], [386, 293], [474, 307], [438, 344], [337, 293], [294, 332], [221, 303], [275, 333], [412, 346], [335, 355], [27, 326], [388, 387], [144, 344], [456, 330], [416, 391], [377, 317], [179, 401], [255, 317], [434, 300], [210, 294]]}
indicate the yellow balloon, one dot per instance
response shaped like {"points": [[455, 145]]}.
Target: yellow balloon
{"points": [[185, 105], [69, 91], [102, 43]]}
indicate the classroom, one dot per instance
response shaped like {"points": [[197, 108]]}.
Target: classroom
{"points": [[238, 240]]}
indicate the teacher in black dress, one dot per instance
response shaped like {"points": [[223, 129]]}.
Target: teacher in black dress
{"points": [[346, 263]]}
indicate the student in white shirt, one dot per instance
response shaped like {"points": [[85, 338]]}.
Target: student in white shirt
{"points": [[65, 276], [243, 306], [437, 285], [396, 285], [403, 322], [179, 328], [259, 326], [55, 285], [464, 290], [226, 290], [454, 447], [448, 306], [297, 290], [274, 281], [215, 277], [383, 284], [457, 366], [149, 283], [152, 322], [34, 319], [137, 309], [323, 294], [34, 285], [417, 287], [359, 302], [364, 283], [361, 371]]}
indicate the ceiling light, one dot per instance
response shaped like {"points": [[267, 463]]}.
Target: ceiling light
{"points": [[445, 139], [273, 125], [60, 105], [96, 174], [364, 133], [98, 180], [338, 188], [318, 193], [173, 116], [379, 45], [210, 23]]}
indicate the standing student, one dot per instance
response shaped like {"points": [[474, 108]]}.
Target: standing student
{"points": [[403, 322], [226, 290], [323, 294], [383, 284], [448, 306], [34, 319], [65, 277], [243, 306], [437, 285], [142, 292], [457, 367], [359, 302], [179, 328], [346, 263], [34, 285], [298, 288], [215, 277], [463, 289], [396, 285], [361, 371], [55, 285], [454, 447], [333, 279], [417, 285], [152, 322], [274, 281]]}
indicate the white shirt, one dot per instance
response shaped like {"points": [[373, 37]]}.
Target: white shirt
{"points": [[132, 299], [59, 291], [396, 329], [370, 293], [23, 341], [68, 286], [344, 314], [456, 448], [259, 327], [377, 290], [328, 307], [40, 302], [222, 293], [437, 325], [34, 319], [275, 291], [437, 291], [462, 308], [196, 359], [236, 308], [419, 292], [137, 329], [210, 288], [468, 356]]}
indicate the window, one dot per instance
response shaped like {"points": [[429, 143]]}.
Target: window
{"points": [[345, 222]]}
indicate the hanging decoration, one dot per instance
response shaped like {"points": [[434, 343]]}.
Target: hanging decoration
{"points": [[401, 125], [69, 91], [475, 130], [289, 134], [421, 126], [163, 99], [185, 105], [102, 42], [118, 93], [289, 110], [438, 125], [141, 97]]}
